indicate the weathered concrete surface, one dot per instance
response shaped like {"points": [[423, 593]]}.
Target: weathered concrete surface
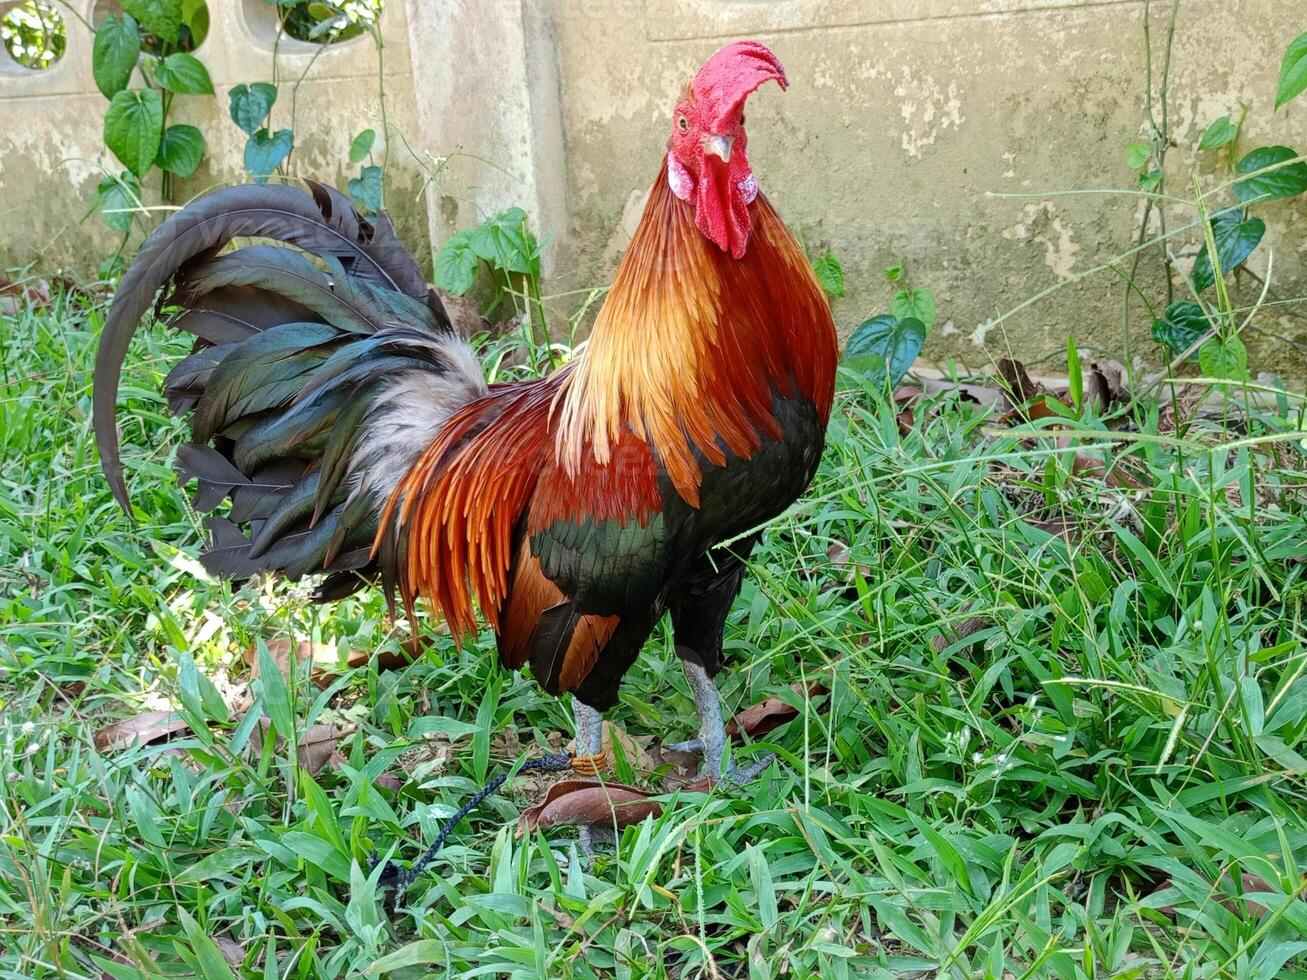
{"points": [[904, 124], [901, 123], [52, 154], [902, 118]]}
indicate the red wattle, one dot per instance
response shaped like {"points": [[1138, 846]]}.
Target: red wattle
{"points": [[720, 212]]}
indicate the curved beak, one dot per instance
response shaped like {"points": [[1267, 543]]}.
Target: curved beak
{"points": [[718, 146]]}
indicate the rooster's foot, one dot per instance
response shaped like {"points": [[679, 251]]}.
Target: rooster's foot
{"points": [[693, 747], [712, 738], [591, 837], [737, 776]]}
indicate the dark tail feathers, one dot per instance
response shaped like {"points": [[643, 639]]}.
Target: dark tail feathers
{"points": [[314, 383]]}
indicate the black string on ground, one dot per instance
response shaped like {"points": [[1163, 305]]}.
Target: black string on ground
{"points": [[401, 878]]}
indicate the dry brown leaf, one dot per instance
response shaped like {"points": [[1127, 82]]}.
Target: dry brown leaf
{"points": [[1117, 476], [685, 766], [1250, 883], [326, 659], [969, 626], [1105, 384], [1021, 387], [17, 296], [316, 748], [232, 951], [841, 559], [317, 744], [386, 780], [770, 713], [1033, 411], [464, 314], [985, 395], [583, 802], [142, 729], [573, 802], [635, 753]]}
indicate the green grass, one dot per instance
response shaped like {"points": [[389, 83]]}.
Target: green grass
{"points": [[1062, 737]]}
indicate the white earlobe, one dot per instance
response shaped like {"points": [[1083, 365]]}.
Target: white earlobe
{"points": [[748, 188], [679, 179]]}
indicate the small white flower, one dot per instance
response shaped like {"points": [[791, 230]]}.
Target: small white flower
{"points": [[977, 758], [1001, 759], [1034, 700]]}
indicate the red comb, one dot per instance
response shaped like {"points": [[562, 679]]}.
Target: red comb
{"points": [[731, 75]]}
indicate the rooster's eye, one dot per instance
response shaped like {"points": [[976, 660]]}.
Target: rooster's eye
{"points": [[682, 124]]}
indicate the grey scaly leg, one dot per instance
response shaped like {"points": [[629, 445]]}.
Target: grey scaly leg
{"points": [[589, 728], [712, 732], [589, 741], [711, 741]]}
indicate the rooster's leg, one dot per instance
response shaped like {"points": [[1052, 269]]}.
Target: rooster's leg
{"points": [[589, 728], [712, 732], [589, 744]]}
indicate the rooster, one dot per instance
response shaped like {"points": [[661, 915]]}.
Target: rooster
{"points": [[357, 441]]}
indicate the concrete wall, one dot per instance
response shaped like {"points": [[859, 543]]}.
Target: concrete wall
{"points": [[52, 154], [902, 118], [903, 123]]}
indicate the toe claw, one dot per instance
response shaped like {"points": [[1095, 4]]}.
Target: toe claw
{"points": [[694, 745], [738, 776]]}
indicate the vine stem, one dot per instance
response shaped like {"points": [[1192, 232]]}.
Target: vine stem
{"points": [[1160, 138], [381, 99]]}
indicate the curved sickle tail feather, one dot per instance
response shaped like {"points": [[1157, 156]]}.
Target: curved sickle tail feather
{"points": [[320, 372]]}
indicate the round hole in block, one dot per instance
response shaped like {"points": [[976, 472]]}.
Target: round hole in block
{"points": [[191, 33], [34, 34], [329, 21]]}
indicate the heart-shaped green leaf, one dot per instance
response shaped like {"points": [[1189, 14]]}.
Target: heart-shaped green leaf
{"points": [[133, 127], [1182, 325], [181, 149], [1224, 357], [505, 242], [1236, 237], [1284, 181], [365, 189], [829, 273], [116, 198], [1219, 133], [162, 18], [1293, 71], [182, 73], [362, 145], [250, 104], [884, 347], [264, 152], [916, 303], [114, 54], [456, 264]]}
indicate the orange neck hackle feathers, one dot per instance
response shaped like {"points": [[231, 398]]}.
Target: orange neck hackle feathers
{"points": [[691, 344]]}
